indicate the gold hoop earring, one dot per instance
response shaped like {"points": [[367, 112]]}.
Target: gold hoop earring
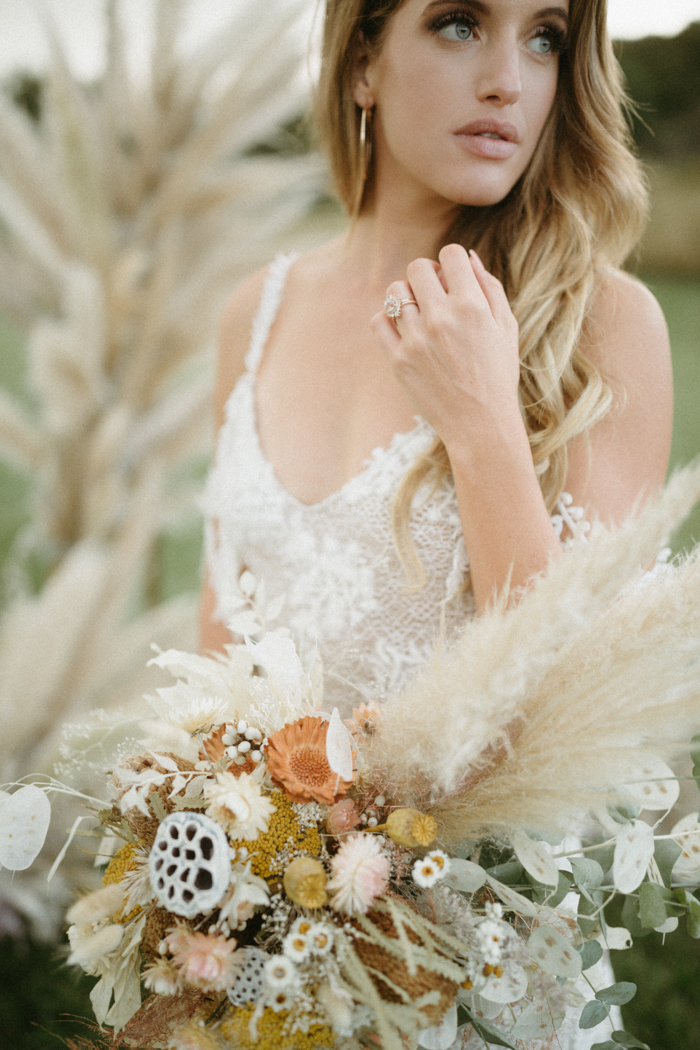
{"points": [[365, 152]]}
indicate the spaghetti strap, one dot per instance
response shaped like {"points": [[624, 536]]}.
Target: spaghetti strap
{"points": [[267, 310]]}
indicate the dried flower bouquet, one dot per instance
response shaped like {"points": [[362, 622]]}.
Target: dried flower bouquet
{"points": [[277, 877]]}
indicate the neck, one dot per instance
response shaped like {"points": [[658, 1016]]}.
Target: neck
{"points": [[392, 230]]}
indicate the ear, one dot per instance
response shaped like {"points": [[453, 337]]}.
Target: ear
{"points": [[362, 76]]}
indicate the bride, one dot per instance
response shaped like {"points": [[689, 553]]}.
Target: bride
{"points": [[388, 475], [424, 411]]}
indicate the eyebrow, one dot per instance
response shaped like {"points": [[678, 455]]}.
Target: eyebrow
{"points": [[546, 12]]}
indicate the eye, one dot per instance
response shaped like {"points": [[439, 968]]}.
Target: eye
{"points": [[541, 44], [457, 31]]}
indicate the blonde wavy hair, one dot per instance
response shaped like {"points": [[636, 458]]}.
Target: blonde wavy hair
{"points": [[579, 208]]}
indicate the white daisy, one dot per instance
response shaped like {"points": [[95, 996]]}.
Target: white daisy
{"points": [[297, 943], [280, 972], [441, 860], [281, 999], [238, 805], [321, 938], [426, 873]]}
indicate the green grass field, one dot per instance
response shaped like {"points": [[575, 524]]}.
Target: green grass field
{"points": [[35, 990]]}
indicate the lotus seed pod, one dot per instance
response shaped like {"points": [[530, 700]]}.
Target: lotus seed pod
{"points": [[305, 882], [399, 826]]}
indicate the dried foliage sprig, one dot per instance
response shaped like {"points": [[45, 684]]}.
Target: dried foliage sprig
{"points": [[127, 212]]}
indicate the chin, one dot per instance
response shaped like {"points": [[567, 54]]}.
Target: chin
{"points": [[480, 190]]}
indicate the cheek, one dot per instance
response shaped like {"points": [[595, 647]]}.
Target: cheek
{"points": [[414, 104], [538, 99]]}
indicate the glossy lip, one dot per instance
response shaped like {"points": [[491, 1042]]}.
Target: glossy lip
{"points": [[472, 138]]}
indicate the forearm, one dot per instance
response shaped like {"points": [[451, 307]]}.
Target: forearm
{"points": [[507, 529]]}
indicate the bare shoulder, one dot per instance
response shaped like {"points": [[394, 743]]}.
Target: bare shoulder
{"points": [[234, 336], [625, 334], [625, 454]]}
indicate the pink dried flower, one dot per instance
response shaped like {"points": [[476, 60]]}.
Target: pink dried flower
{"points": [[343, 817], [204, 960], [360, 874]]}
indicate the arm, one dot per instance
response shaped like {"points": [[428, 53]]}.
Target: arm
{"points": [[234, 337], [466, 387]]}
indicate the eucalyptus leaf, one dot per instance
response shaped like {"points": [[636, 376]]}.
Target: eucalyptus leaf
{"points": [[607, 1045], [488, 1032], [587, 873], [695, 756], [588, 912], [652, 909], [617, 994], [593, 1013], [591, 952], [692, 919], [666, 853], [625, 1039], [553, 898], [625, 811], [630, 917], [511, 873]]}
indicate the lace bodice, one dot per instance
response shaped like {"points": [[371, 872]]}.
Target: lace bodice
{"points": [[334, 563], [345, 590]]}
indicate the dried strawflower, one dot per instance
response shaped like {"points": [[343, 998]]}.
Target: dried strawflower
{"points": [[162, 978], [298, 763], [364, 718], [238, 805], [297, 944], [343, 817], [203, 959], [427, 872], [280, 972], [305, 882], [360, 874]]}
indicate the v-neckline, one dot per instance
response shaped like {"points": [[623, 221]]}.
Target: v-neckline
{"points": [[376, 456]]}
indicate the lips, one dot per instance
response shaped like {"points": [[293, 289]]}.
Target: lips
{"points": [[493, 139]]}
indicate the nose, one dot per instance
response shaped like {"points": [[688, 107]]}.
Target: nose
{"points": [[499, 79]]}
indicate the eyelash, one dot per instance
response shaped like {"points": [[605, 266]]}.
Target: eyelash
{"points": [[558, 36]]}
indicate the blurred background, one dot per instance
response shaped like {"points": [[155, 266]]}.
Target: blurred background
{"points": [[153, 152]]}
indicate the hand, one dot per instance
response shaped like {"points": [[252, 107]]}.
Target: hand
{"points": [[456, 352]]}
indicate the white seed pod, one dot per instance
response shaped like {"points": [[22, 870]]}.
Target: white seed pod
{"points": [[242, 726], [255, 755], [244, 746], [253, 734], [248, 982], [189, 864]]}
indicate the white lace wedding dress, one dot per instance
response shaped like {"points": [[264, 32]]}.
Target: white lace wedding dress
{"points": [[335, 562]]}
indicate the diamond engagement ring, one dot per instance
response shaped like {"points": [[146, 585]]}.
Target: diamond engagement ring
{"points": [[393, 305]]}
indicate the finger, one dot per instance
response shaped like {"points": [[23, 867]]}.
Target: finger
{"points": [[458, 272], [402, 291], [427, 282], [493, 290], [386, 333]]}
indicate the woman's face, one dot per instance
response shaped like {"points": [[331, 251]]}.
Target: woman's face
{"points": [[462, 92]]}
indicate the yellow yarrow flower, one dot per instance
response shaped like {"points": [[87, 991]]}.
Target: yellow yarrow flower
{"points": [[273, 850], [272, 1032], [123, 861]]}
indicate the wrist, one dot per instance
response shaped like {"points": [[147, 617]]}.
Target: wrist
{"points": [[488, 438]]}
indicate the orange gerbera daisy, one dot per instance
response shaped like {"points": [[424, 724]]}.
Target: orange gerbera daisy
{"points": [[298, 764]]}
